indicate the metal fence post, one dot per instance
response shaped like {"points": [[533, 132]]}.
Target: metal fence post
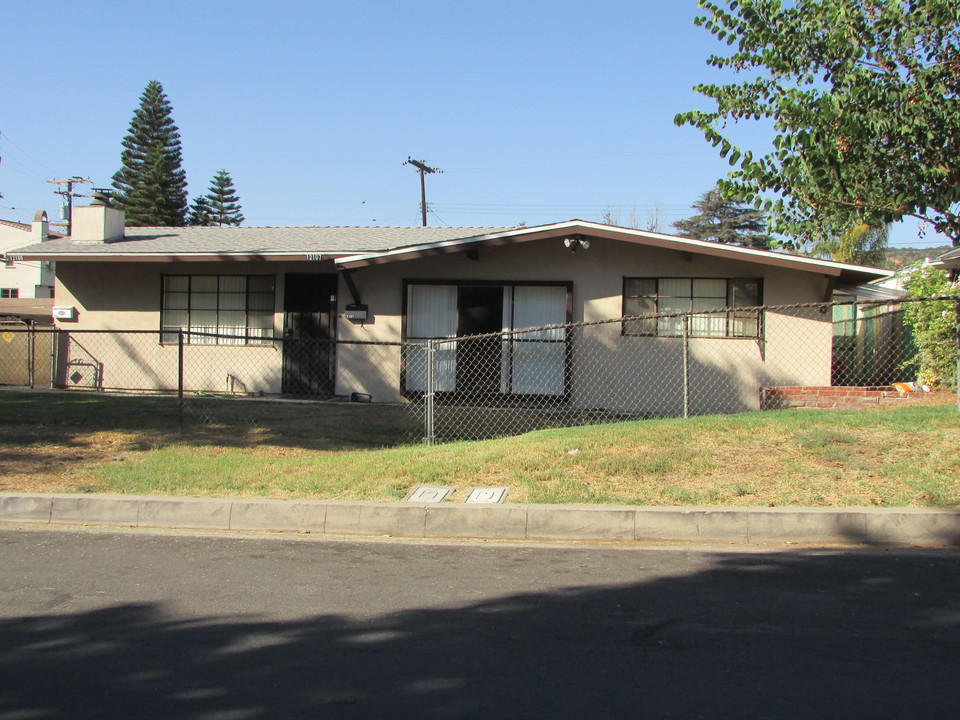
{"points": [[685, 323], [31, 353], [956, 379], [54, 349], [428, 391], [180, 378]]}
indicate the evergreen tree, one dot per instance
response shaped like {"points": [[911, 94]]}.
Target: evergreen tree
{"points": [[151, 186], [725, 221], [223, 201], [200, 212]]}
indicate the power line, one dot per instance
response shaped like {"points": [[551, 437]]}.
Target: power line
{"points": [[6, 136], [69, 194]]}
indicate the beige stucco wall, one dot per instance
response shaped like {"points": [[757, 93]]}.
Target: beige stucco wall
{"points": [[609, 371], [126, 297]]}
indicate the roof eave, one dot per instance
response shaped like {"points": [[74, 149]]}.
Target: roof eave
{"points": [[852, 273], [268, 256]]}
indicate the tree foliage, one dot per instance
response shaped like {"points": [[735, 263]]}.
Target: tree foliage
{"points": [[150, 185], [863, 95], [220, 206], [725, 221], [224, 201], [200, 212], [860, 245], [934, 325]]}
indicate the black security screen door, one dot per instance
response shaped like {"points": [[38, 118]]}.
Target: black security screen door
{"points": [[309, 350], [479, 361]]}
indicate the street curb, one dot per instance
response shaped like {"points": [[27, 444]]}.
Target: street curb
{"points": [[850, 526]]}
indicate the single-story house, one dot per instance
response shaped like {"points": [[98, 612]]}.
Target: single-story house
{"points": [[253, 286], [20, 279]]}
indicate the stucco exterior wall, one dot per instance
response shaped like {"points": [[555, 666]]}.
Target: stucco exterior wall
{"points": [[125, 298], [607, 370], [32, 278]]}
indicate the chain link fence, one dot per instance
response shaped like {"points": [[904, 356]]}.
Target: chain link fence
{"points": [[480, 386]]}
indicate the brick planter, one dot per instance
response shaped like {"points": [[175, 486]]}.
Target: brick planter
{"points": [[841, 396]]}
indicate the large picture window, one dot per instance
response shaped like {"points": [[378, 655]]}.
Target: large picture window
{"points": [[703, 300], [503, 360], [218, 309]]}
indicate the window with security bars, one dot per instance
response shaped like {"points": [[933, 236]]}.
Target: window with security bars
{"points": [[218, 309], [9, 293], [705, 301]]}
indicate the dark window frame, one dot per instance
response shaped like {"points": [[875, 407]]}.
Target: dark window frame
{"points": [[567, 285], [730, 311], [9, 293], [221, 333]]}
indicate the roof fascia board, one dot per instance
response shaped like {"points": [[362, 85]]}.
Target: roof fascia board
{"points": [[507, 237], [641, 237]]}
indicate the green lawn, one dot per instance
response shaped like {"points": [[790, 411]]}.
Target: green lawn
{"points": [[71, 442]]}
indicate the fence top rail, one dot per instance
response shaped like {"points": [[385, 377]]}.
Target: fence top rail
{"points": [[255, 340], [700, 313]]}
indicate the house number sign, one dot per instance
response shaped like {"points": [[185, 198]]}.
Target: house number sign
{"points": [[315, 256]]}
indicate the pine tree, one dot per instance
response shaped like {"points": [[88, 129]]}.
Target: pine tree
{"points": [[200, 212], [223, 201], [151, 186], [725, 221]]}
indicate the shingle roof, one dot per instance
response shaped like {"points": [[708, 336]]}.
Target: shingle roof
{"points": [[354, 247], [256, 240]]}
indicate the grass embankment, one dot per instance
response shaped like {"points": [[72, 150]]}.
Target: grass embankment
{"points": [[903, 456]]}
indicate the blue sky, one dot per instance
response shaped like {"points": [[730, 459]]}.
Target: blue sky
{"points": [[535, 111]]}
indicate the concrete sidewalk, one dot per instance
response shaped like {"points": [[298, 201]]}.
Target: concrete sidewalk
{"points": [[856, 526]]}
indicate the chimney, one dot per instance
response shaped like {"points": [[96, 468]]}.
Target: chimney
{"points": [[97, 222], [41, 228]]}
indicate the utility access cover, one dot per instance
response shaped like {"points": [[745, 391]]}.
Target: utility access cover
{"points": [[487, 496], [424, 494]]}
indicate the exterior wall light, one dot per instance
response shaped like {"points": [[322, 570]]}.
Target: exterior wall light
{"points": [[576, 242]]}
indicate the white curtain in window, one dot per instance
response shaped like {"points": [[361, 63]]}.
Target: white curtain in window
{"points": [[432, 313], [506, 345], [538, 356]]}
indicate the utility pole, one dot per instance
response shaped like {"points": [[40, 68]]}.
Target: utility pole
{"points": [[69, 194], [424, 170]]}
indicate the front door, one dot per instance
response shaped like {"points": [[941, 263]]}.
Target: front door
{"points": [[479, 361], [309, 333]]}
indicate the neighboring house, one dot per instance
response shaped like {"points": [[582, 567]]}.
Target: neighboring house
{"points": [[363, 285], [24, 278], [950, 261]]}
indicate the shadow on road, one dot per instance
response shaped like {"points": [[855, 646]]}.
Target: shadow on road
{"points": [[789, 635]]}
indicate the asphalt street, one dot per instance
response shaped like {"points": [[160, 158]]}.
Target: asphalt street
{"points": [[101, 623]]}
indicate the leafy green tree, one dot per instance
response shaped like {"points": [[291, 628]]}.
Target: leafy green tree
{"points": [[223, 201], [934, 325], [859, 245], [200, 212], [725, 221], [150, 185], [863, 99]]}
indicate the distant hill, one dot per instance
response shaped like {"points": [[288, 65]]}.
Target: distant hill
{"points": [[902, 257]]}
